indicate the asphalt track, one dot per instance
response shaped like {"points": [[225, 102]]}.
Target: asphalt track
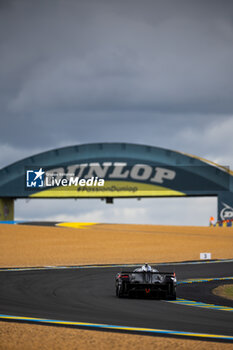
{"points": [[88, 295]]}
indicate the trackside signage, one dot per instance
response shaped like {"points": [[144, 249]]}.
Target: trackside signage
{"points": [[100, 179], [110, 171], [123, 176], [94, 175], [227, 212]]}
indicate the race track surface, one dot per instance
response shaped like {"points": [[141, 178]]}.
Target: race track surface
{"points": [[88, 295]]}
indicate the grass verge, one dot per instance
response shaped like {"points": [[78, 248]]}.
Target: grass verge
{"points": [[225, 291]]}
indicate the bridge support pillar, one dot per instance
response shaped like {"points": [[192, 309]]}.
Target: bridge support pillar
{"points": [[6, 209], [225, 206]]}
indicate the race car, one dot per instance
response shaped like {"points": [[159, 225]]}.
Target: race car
{"points": [[147, 282]]}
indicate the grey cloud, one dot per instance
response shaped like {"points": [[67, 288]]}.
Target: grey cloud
{"points": [[204, 135], [160, 69], [89, 56], [151, 72]]}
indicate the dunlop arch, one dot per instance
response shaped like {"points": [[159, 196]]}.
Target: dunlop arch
{"points": [[128, 170]]}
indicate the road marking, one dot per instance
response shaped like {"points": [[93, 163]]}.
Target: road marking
{"points": [[115, 327], [200, 280], [200, 304]]}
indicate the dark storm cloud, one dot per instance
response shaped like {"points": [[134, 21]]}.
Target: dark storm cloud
{"points": [[82, 71], [151, 72]]}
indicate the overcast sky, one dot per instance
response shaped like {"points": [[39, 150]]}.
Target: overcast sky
{"points": [[150, 72]]}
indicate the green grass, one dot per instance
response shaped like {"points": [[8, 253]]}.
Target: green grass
{"points": [[225, 291]]}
